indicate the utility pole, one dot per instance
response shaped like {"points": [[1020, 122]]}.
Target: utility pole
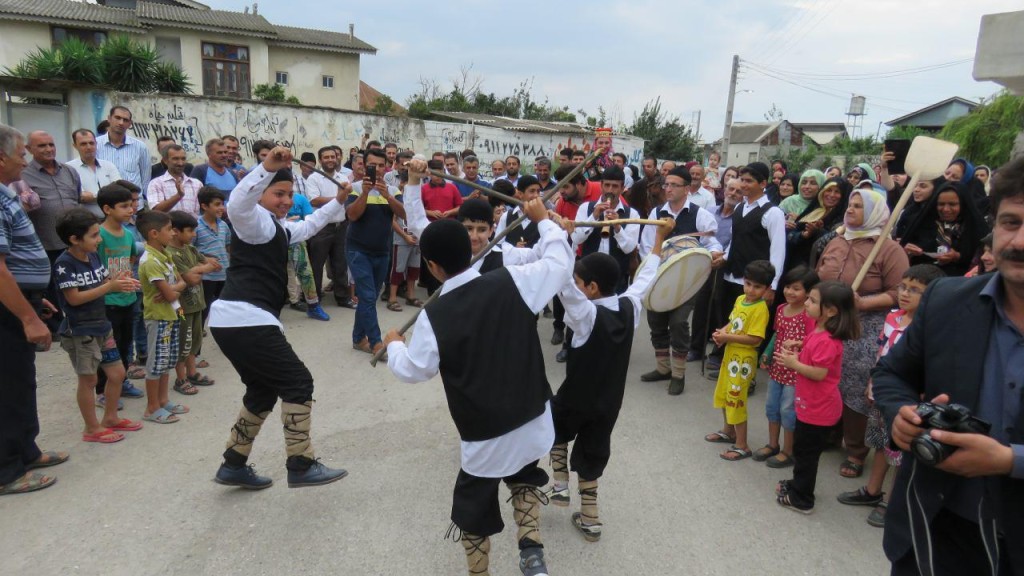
{"points": [[728, 108]]}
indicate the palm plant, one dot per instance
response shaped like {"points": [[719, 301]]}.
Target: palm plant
{"points": [[129, 64], [167, 77]]}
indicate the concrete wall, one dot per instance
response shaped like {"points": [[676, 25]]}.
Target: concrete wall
{"points": [[739, 154], [305, 70], [18, 39], [1000, 53]]}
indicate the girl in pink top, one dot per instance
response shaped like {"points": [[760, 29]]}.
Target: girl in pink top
{"points": [[818, 402]]}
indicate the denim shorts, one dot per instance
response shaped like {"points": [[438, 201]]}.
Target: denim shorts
{"points": [[779, 404]]}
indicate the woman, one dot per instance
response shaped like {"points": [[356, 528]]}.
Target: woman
{"points": [[923, 192], [983, 174], [833, 172], [809, 185], [821, 217], [948, 233], [960, 170], [859, 173], [842, 259], [729, 173]]}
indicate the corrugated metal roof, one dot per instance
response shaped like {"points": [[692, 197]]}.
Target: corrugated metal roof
{"points": [[69, 13], [750, 132], [946, 102], [165, 14], [515, 123], [321, 39]]}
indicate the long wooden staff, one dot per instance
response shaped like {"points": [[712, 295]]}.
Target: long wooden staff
{"points": [[497, 240], [482, 189]]}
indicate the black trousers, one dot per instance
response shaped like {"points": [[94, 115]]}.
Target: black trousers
{"points": [[267, 365], [122, 322], [707, 311], [19, 421], [328, 247], [809, 442], [671, 328], [211, 293], [592, 433], [53, 322], [957, 549], [475, 505]]}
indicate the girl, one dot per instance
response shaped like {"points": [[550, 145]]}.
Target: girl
{"points": [[919, 197], [791, 324], [818, 402]]}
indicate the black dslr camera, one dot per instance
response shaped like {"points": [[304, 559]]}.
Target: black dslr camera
{"points": [[952, 417]]}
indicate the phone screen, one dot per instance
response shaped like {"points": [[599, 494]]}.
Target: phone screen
{"points": [[900, 148]]}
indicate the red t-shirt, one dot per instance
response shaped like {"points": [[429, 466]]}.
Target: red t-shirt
{"points": [[566, 209], [820, 403], [795, 327], [442, 198]]}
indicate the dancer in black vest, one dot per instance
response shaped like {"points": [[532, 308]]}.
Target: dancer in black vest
{"points": [[670, 331], [526, 234], [245, 324], [588, 402], [498, 396], [621, 241]]}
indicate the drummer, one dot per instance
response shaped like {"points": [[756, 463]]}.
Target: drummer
{"points": [[617, 241], [670, 331]]}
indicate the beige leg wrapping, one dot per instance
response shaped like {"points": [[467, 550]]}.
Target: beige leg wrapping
{"points": [[526, 502], [478, 549], [245, 430], [661, 358], [588, 501], [678, 362], [560, 462], [297, 420]]}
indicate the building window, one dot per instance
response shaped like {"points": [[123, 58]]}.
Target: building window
{"points": [[328, 81], [90, 37], [225, 70], [281, 78]]}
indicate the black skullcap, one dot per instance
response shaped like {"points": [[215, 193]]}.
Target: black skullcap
{"points": [[681, 171], [601, 268], [613, 173], [446, 243], [476, 209], [759, 170], [308, 158], [525, 182], [282, 175]]}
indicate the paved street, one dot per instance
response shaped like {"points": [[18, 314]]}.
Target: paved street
{"points": [[148, 505]]}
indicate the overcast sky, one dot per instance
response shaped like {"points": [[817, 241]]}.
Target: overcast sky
{"points": [[622, 54]]}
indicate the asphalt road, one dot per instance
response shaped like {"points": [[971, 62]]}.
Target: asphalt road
{"points": [[148, 505]]}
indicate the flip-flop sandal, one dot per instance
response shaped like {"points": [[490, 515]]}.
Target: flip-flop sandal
{"points": [[765, 452], [47, 459], [126, 425], [161, 416], [106, 436], [202, 364], [201, 380], [136, 373], [394, 306], [741, 454], [185, 387], [30, 482], [414, 302], [175, 408], [850, 469], [719, 437]]}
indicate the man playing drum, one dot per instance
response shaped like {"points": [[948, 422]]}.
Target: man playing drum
{"points": [[670, 331]]}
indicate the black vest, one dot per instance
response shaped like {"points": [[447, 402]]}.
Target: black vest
{"points": [[596, 372], [531, 233], [258, 273], [491, 361], [750, 239], [686, 221], [593, 244], [494, 260]]}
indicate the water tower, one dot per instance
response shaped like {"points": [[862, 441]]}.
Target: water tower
{"points": [[855, 116]]}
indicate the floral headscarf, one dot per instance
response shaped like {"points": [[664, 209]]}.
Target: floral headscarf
{"points": [[876, 214]]}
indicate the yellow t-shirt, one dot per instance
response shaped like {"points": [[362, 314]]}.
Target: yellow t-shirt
{"points": [[750, 318]]}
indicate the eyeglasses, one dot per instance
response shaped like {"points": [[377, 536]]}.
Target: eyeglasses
{"points": [[673, 185], [911, 291]]}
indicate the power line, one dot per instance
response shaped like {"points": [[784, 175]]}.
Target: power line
{"points": [[856, 76], [790, 26], [824, 14], [840, 96], [782, 76], [766, 41]]}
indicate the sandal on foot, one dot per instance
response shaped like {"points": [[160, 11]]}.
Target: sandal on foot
{"points": [[202, 363], [850, 469], [185, 387], [136, 373], [780, 460], [394, 306], [161, 416], [175, 408], [785, 501], [126, 425], [765, 452], [30, 482], [414, 302], [201, 380], [719, 437], [47, 459], [105, 436], [740, 453]]}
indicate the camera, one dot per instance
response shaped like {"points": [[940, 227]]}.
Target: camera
{"points": [[952, 417]]}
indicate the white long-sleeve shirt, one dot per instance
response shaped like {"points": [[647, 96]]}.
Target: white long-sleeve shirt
{"points": [[706, 222], [319, 186], [581, 313], [628, 236], [419, 361], [254, 224], [774, 221]]}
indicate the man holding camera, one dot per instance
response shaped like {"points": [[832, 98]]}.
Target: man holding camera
{"points": [[958, 503]]}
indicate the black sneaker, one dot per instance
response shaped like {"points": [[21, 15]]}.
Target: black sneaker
{"points": [[531, 562], [315, 475], [694, 356], [785, 500], [346, 303], [242, 476], [860, 497], [676, 386], [562, 356], [655, 376], [300, 306], [558, 337]]}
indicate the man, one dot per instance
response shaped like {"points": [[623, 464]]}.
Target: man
{"points": [[308, 158], [328, 245], [58, 186], [497, 170], [639, 194], [525, 235], [965, 515], [564, 157], [451, 164], [129, 154], [370, 209], [216, 172], [260, 150], [699, 195], [471, 167], [93, 172], [670, 331], [358, 170], [392, 178], [619, 241], [666, 167], [159, 169], [542, 170], [758, 233], [24, 276], [175, 190], [571, 194], [619, 159], [391, 152], [232, 148], [512, 164], [578, 156]]}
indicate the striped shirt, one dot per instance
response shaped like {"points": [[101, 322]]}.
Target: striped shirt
{"points": [[163, 188], [131, 158], [23, 252], [214, 243]]}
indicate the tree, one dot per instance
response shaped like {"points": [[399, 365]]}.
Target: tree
{"points": [[774, 114], [665, 136], [987, 134], [273, 93], [383, 105], [466, 95], [907, 133]]}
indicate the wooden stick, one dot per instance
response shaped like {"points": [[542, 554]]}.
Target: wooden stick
{"points": [[497, 240], [318, 171], [620, 222], [896, 211], [483, 189]]}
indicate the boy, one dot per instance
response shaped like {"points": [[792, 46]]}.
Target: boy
{"points": [[161, 289], [405, 260], [497, 394], [191, 266], [213, 239], [299, 272], [741, 338], [118, 253], [588, 402], [136, 368], [85, 333]]}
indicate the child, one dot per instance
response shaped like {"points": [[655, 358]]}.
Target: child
{"points": [[191, 266], [405, 261], [213, 237], [136, 368], [299, 271], [118, 253], [818, 403], [157, 275], [85, 333], [588, 402], [741, 337], [915, 280], [791, 323]]}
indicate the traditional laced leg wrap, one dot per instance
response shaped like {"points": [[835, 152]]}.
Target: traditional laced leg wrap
{"points": [[297, 420], [560, 462], [478, 550], [588, 501], [244, 432], [662, 359], [526, 502], [678, 363]]}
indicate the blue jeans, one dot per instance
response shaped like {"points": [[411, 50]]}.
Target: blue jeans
{"points": [[779, 404], [141, 344], [368, 271]]}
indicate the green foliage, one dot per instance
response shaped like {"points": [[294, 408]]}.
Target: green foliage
{"points": [[907, 133], [665, 136], [469, 98], [169, 78], [82, 62], [987, 134], [43, 63], [383, 105], [269, 92], [292, 100], [130, 64]]}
